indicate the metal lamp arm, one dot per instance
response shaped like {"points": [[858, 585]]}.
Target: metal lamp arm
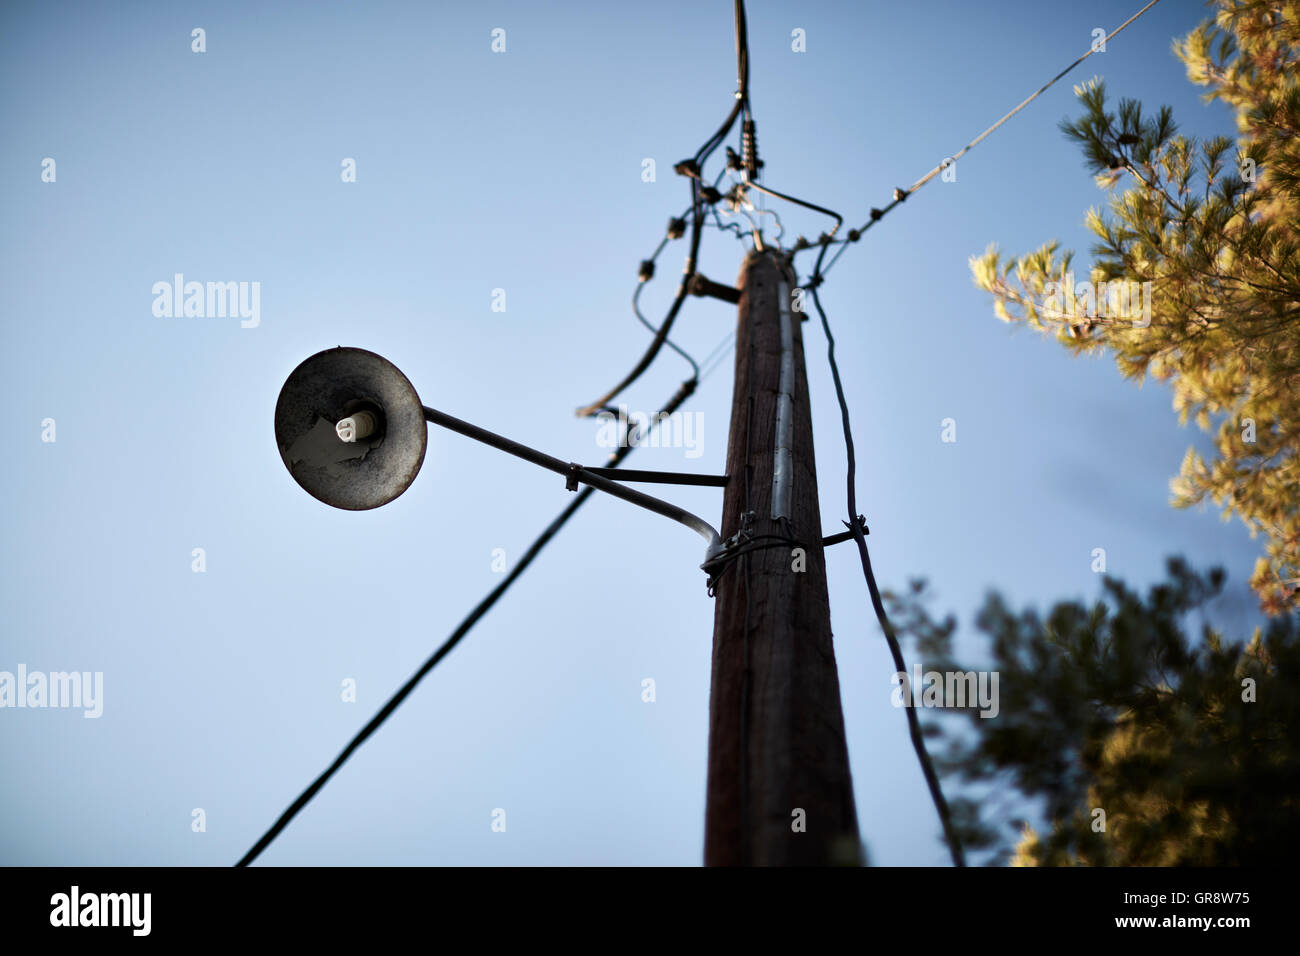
{"points": [[576, 473]]}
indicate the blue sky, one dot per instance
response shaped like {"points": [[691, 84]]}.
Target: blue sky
{"points": [[519, 171]]}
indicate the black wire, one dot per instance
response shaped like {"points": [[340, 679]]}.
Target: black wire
{"points": [[636, 295], [827, 239], [697, 221], [913, 722], [742, 52], [750, 542], [695, 368], [636, 309], [876, 216], [742, 86], [683, 392], [818, 276], [697, 228], [742, 105], [727, 227], [901, 194], [712, 363], [839, 220], [718, 349], [721, 568], [780, 226]]}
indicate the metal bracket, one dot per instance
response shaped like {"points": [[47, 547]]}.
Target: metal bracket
{"points": [[702, 286], [845, 535], [660, 477], [728, 547]]}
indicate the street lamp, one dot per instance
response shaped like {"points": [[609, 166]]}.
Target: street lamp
{"points": [[353, 432]]}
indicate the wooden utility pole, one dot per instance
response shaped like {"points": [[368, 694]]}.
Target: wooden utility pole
{"points": [[779, 790]]}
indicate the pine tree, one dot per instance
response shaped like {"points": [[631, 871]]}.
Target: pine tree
{"points": [[1212, 227], [1139, 744]]}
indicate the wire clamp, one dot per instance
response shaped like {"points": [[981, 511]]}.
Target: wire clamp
{"points": [[571, 479], [745, 542], [846, 535]]}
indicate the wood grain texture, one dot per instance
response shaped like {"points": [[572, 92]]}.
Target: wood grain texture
{"points": [[795, 750]]}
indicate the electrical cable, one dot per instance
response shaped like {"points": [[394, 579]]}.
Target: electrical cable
{"points": [[755, 230], [636, 308], [1091, 50], [697, 228], [733, 203], [895, 650], [647, 276], [695, 368], [742, 86], [901, 194], [716, 365], [615, 458], [728, 227], [818, 276], [776, 217], [839, 220], [714, 359], [741, 106], [697, 216], [719, 568]]}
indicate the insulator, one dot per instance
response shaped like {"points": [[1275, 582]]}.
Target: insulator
{"points": [[749, 148]]}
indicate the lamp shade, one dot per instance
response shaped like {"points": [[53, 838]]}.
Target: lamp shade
{"points": [[362, 396]]}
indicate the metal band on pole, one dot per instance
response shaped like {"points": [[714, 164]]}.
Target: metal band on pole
{"points": [[781, 461]]}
